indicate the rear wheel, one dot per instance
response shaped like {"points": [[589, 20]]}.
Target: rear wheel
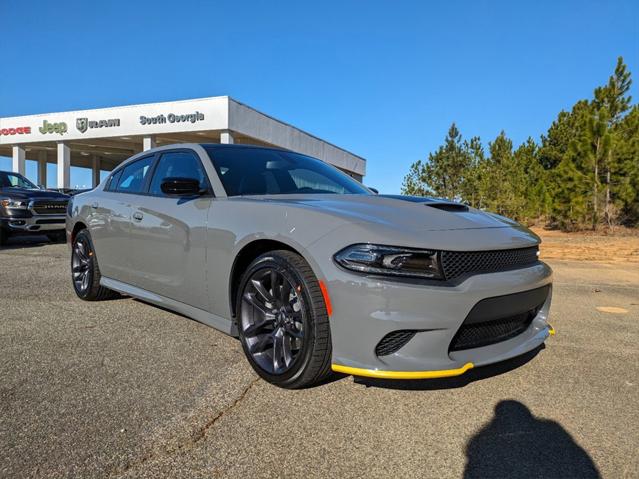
{"points": [[85, 272], [282, 321]]}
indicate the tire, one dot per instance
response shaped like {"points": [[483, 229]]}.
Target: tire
{"points": [[85, 272], [284, 316], [4, 236], [57, 237]]}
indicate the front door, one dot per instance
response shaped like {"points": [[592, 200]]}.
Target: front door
{"points": [[168, 234]]}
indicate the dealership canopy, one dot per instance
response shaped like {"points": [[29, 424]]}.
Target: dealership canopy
{"points": [[102, 138]]}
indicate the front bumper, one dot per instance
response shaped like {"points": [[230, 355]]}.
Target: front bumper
{"points": [[33, 224], [365, 309]]}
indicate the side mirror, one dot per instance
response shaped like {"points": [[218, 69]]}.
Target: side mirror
{"points": [[175, 186], [374, 190]]}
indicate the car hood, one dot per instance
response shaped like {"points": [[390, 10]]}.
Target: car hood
{"points": [[407, 213], [31, 194]]}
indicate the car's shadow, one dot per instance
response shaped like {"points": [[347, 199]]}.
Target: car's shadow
{"points": [[470, 376]]}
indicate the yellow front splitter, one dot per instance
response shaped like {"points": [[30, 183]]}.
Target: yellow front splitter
{"points": [[377, 373]]}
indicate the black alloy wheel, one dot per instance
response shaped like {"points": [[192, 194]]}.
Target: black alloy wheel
{"points": [[282, 321], [81, 265], [272, 320], [85, 272]]}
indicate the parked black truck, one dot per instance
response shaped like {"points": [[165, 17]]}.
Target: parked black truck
{"points": [[27, 209]]}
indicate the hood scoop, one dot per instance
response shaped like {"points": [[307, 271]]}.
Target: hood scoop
{"points": [[443, 205], [451, 207]]}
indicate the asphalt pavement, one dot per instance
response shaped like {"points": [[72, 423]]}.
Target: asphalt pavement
{"points": [[124, 389]]}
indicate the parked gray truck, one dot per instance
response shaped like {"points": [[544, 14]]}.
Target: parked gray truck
{"points": [[28, 209]]}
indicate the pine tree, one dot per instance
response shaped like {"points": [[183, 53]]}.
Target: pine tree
{"points": [[499, 194], [447, 167], [614, 96], [625, 183], [585, 170], [471, 187], [444, 173], [613, 101], [415, 182]]}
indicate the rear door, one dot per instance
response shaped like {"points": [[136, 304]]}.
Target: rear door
{"points": [[111, 217], [168, 234]]}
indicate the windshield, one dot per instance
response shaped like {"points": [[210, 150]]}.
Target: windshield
{"points": [[14, 180], [256, 171]]}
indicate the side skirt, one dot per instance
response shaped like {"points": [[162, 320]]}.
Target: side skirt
{"points": [[225, 325]]}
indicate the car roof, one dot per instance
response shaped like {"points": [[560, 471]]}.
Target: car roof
{"points": [[220, 146]]}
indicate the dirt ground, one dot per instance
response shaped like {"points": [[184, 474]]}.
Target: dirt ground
{"points": [[622, 245]]}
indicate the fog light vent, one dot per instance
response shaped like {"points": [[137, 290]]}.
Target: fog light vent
{"points": [[394, 341]]}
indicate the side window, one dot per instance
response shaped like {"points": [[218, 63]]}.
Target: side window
{"points": [[113, 181], [133, 176], [181, 164]]}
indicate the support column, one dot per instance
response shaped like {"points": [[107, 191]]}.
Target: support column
{"points": [[226, 137], [18, 164], [42, 168], [148, 142], [95, 164], [64, 166]]}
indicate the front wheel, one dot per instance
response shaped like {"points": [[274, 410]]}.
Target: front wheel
{"points": [[282, 321], [85, 272]]}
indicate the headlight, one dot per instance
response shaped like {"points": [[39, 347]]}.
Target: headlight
{"points": [[9, 203], [390, 260]]}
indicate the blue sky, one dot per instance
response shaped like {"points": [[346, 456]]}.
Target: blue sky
{"points": [[382, 79]]}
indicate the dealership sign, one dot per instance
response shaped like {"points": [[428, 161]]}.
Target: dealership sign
{"points": [[83, 124], [21, 130], [127, 121], [172, 118], [59, 128]]}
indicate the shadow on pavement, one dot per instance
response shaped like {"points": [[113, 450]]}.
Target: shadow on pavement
{"points": [[517, 444], [20, 242], [470, 376]]}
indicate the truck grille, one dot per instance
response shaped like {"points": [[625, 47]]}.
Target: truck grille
{"points": [[49, 207], [458, 263], [51, 221]]}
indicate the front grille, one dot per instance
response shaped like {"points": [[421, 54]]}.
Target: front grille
{"points": [[394, 341], [457, 263], [491, 332], [49, 207], [497, 319]]}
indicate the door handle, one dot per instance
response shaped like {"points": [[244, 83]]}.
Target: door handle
{"points": [[138, 216], [94, 205]]}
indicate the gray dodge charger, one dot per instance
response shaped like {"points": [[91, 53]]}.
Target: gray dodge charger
{"points": [[311, 270]]}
